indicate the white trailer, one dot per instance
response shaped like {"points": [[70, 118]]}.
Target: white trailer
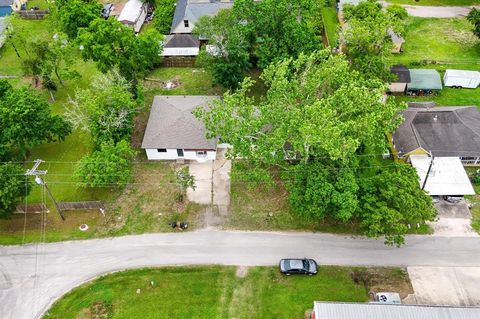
{"points": [[461, 79]]}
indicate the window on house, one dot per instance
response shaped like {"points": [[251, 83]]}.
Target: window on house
{"points": [[161, 150], [201, 153], [185, 23]]}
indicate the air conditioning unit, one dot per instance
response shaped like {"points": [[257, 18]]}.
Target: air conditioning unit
{"points": [[391, 298]]}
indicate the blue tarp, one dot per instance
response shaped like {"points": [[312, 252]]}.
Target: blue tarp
{"points": [[5, 11]]}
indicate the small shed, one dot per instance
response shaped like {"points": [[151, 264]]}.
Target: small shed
{"points": [[133, 14], [402, 78], [447, 175], [180, 45], [424, 82], [5, 7], [461, 79]]}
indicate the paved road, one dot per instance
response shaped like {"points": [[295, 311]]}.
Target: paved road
{"points": [[62, 266], [437, 12]]}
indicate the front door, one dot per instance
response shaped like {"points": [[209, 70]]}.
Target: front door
{"points": [[180, 152]]}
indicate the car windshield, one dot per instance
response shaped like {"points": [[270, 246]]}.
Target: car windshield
{"points": [[306, 264]]}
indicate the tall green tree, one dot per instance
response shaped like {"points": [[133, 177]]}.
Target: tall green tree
{"points": [[163, 17], [13, 187], [366, 36], [112, 45], [73, 15], [27, 121], [390, 200], [106, 109], [109, 166], [316, 120]]}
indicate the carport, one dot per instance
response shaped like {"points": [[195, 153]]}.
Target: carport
{"points": [[446, 175]]}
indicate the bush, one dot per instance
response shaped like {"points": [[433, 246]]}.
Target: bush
{"points": [[164, 15]]}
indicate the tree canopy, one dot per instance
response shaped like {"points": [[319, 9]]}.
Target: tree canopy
{"points": [[13, 187], [316, 122], [26, 121], [258, 33], [111, 44], [366, 36], [73, 15], [474, 18]]}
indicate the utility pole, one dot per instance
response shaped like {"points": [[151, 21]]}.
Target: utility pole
{"points": [[428, 171], [35, 172]]}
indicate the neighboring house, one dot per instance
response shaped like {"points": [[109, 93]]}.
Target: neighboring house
{"points": [[6, 7], [188, 12], [448, 131], [3, 29], [173, 132], [133, 14], [424, 82], [181, 45], [402, 78], [347, 310]]}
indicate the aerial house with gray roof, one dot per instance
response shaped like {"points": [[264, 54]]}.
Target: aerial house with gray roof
{"points": [[173, 132], [448, 131]]}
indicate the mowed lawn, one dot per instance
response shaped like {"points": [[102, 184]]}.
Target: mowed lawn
{"points": [[217, 292], [442, 44]]}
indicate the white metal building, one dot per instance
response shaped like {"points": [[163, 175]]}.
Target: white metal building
{"points": [[346, 310], [447, 175], [133, 14], [174, 133], [461, 78]]}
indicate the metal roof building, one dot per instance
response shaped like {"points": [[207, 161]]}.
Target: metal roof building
{"points": [[341, 310], [424, 80]]}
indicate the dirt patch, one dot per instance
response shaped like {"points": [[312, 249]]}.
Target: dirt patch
{"points": [[241, 272], [98, 310], [383, 280]]}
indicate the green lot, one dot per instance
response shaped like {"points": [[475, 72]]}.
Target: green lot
{"points": [[442, 44], [331, 24], [216, 292]]}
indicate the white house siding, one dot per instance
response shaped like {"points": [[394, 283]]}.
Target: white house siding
{"points": [[180, 28], [180, 51], [141, 19], [398, 87], [171, 154]]}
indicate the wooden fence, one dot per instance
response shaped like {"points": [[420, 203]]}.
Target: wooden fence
{"points": [[178, 61], [88, 205], [31, 209], [33, 14]]}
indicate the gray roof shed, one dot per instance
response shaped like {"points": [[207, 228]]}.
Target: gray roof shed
{"points": [[172, 125], [445, 131], [345, 310]]}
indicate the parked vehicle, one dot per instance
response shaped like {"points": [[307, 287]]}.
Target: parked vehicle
{"points": [[436, 199], [461, 79], [453, 199], [292, 266]]}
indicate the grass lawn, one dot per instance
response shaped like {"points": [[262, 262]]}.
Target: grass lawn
{"points": [[435, 2], [331, 24], [216, 292], [442, 44], [475, 201]]}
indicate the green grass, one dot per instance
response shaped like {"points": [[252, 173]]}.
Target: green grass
{"points": [[442, 44], [449, 43], [435, 2], [475, 201], [331, 24], [216, 292]]}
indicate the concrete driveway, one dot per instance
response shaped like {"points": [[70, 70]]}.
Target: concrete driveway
{"points": [[454, 220], [437, 12], [452, 286], [203, 181], [32, 277]]}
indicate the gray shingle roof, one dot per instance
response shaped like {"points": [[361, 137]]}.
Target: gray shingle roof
{"points": [[445, 131], [402, 73], [339, 310], [172, 125], [192, 10], [424, 79], [181, 41]]}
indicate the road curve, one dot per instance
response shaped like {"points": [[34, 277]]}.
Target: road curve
{"points": [[31, 282]]}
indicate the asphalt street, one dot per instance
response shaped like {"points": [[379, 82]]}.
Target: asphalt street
{"points": [[32, 277]]}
